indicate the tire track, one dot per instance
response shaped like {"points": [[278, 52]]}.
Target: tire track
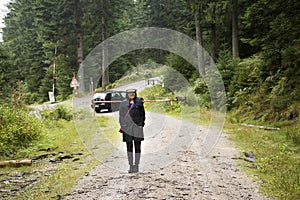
{"points": [[186, 176]]}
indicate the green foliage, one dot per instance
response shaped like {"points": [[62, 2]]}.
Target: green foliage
{"points": [[35, 29], [268, 72], [245, 81], [18, 130], [57, 113], [178, 79], [277, 154], [200, 86], [29, 97], [46, 85], [267, 86], [6, 75], [158, 93], [142, 72], [264, 85], [162, 93], [274, 27], [293, 134], [260, 94], [194, 99], [226, 66], [62, 136], [181, 66]]}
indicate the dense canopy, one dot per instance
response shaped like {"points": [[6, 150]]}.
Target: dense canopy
{"points": [[255, 45]]}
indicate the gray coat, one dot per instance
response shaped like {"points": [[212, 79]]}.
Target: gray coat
{"points": [[132, 122]]}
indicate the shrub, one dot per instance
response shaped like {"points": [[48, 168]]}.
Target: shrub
{"points": [[18, 130], [58, 112], [294, 135]]}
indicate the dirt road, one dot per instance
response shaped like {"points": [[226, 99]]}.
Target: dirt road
{"points": [[171, 168]]}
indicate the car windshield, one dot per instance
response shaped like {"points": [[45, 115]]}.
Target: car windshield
{"points": [[99, 95], [123, 94]]}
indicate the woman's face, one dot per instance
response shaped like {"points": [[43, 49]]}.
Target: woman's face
{"points": [[131, 95]]}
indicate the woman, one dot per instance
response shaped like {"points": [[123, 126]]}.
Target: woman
{"points": [[132, 121]]}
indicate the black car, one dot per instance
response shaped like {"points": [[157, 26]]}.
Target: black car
{"points": [[117, 96]]}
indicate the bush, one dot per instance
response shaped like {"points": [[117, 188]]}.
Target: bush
{"points": [[294, 135], [18, 130], [58, 112], [158, 93]]}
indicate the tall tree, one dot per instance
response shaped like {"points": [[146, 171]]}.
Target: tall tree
{"points": [[103, 19], [79, 31], [23, 46], [7, 76], [235, 43], [197, 7]]}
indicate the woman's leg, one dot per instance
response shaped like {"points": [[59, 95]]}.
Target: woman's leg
{"points": [[137, 149], [129, 146], [130, 156], [137, 146]]}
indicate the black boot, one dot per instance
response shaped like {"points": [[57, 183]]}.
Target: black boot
{"points": [[135, 168], [131, 169], [130, 161], [137, 162]]}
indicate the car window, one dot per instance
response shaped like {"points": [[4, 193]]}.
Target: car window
{"points": [[123, 94], [99, 96], [118, 95], [108, 96], [115, 95]]}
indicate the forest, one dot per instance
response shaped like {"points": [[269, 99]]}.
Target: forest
{"points": [[255, 45]]}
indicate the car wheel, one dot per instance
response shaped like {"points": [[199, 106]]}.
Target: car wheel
{"points": [[97, 110]]}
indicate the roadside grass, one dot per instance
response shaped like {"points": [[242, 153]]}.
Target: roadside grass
{"points": [[59, 178], [63, 136], [277, 166], [197, 115], [146, 71], [181, 110]]}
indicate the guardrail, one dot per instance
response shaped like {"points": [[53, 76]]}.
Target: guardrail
{"points": [[144, 100], [179, 98]]}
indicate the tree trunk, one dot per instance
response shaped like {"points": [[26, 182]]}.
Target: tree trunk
{"points": [[199, 39], [213, 35], [261, 127], [79, 35], [105, 72], [235, 44], [15, 162]]}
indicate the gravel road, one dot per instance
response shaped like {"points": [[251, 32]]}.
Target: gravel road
{"points": [[171, 167]]}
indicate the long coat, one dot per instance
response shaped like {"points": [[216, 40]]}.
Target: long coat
{"points": [[132, 122]]}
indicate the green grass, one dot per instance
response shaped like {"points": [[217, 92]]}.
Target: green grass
{"points": [[181, 110], [197, 115], [145, 72], [63, 136], [277, 168], [278, 153], [278, 158]]}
